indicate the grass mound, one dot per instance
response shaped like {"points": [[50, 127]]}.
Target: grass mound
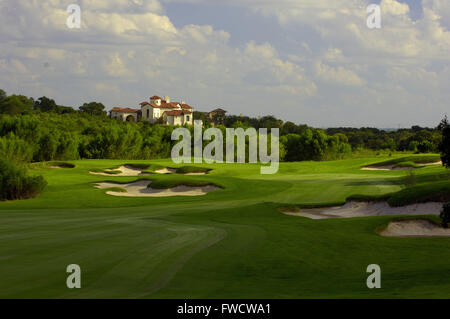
{"points": [[422, 193], [409, 161], [116, 189], [369, 198], [146, 168], [163, 183], [427, 192], [142, 166], [406, 164], [191, 169], [106, 171], [16, 184], [61, 164]]}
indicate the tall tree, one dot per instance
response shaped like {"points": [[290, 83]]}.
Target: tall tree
{"points": [[46, 105], [444, 146], [93, 108]]}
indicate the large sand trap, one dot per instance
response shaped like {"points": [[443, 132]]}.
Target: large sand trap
{"points": [[414, 228], [140, 189], [125, 170], [364, 209], [391, 167], [166, 170]]}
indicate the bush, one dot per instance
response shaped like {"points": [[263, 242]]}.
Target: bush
{"points": [[16, 184], [445, 215]]}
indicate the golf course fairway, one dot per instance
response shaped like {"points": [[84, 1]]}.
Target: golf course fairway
{"points": [[232, 242]]}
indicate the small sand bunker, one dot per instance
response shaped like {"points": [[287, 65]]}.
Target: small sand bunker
{"points": [[61, 165], [364, 209], [384, 168], [196, 173], [125, 170], [166, 170], [398, 168], [414, 228], [141, 189], [432, 163]]}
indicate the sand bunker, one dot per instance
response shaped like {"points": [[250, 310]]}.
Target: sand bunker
{"points": [[384, 168], [140, 189], [392, 167], [125, 170], [364, 209], [62, 165], [414, 228], [166, 170]]}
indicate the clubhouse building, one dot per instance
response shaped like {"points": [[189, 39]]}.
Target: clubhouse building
{"points": [[157, 110]]}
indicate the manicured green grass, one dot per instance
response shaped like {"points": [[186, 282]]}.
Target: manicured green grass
{"points": [[230, 243]]}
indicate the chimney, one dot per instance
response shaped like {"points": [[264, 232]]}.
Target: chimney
{"points": [[167, 99]]}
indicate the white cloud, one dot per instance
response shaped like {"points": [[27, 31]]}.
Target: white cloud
{"points": [[128, 49], [337, 75]]}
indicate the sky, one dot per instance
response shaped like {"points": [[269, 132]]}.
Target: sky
{"points": [[311, 62]]}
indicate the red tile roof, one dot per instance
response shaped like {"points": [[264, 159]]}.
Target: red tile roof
{"points": [[177, 112], [165, 105], [125, 110], [155, 97], [186, 106]]}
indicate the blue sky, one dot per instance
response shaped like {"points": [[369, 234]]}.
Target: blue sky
{"points": [[307, 61]]}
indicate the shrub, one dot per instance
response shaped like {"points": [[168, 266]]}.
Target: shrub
{"points": [[16, 184], [15, 149], [445, 215]]}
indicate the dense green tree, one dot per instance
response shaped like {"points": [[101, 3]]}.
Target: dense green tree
{"points": [[44, 104], [16, 104], [66, 109], [93, 108]]}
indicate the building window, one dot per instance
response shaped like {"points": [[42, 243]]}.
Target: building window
{"points": [[148, 113], [187, 118]]}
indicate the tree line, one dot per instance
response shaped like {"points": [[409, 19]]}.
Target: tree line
{"points": [[41, 130], [415, 139]]}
